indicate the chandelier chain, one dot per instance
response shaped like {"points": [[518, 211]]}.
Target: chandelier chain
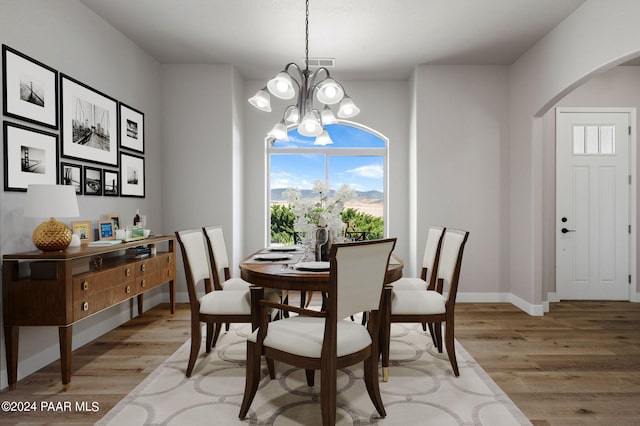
{"points": [[306, 40]]}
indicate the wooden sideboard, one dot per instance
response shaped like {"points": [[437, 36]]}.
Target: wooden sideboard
{"points": [[63, 287]]}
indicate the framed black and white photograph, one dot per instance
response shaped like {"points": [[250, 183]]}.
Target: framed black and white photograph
{"points": [[131, 176], [71, 174], [30, 89], [92, 181], [89, 123], [30, 157], [131, 128], [111, 184]]}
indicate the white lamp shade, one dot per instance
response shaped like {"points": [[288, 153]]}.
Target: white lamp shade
{"points": [[279, 132], [327, 116], [261, 100], [323, 139], [281, 86], [310, 124], [348, 108], [51, 201], [291, 114], [330, 92]]}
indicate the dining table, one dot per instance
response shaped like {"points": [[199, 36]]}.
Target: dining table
{"points": [[283, 268]]}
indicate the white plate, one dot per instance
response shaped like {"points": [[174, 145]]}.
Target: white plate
{"points": [[272, 256], [283, 248], [312, 266]]}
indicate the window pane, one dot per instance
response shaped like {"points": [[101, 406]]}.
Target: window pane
{"points": [[607, 144], [578, 139], [593, 146], [295, 171]]}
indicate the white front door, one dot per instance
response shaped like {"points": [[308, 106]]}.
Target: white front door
{"points": [[592, 204]]}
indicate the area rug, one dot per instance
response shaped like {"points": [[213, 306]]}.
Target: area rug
{"points": [[421, 390]]}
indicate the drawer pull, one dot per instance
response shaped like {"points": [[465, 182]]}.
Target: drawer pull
{"points": [[169, 259], [127, 289], [127, 272], [143, 267], [85, 306], [143, 283], [85, 285]]}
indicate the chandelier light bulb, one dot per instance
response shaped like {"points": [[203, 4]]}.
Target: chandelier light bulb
{"points": [[327, 116], [348, 108], [291, 114], [323, 139], [279, 132], [261, 100], [330, 92], [281, 86], [310, 124]]}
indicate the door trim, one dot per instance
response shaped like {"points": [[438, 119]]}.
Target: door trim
{"points": [[634, 294]]}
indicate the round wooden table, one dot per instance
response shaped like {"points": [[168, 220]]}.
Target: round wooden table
{"points": [[271, 275]]}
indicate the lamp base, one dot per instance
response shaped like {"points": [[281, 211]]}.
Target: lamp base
{"points": [[51, 236]]}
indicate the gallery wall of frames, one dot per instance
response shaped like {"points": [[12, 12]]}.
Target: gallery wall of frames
{"points": [[92, 142]]}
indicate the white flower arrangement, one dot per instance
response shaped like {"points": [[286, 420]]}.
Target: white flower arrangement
{"points": [[322, 210]]}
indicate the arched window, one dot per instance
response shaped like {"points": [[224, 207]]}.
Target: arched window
{"points": [[357, 157]]}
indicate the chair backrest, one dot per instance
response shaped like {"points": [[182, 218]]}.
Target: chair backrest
{"points": [[450, 262], [194, 258], [218, 258], [357, 274], [431, 257]]}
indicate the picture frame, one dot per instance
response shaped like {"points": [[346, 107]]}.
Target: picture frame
{"points": [[89, 123], [106, 230], [30, 89], [111, 183], [30, 157], [131, 125], [132, 172], [83, 230], [117, 221], [71, 174], [92, 181]]}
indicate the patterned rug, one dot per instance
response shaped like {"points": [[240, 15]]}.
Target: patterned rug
{"points": [[421, 390]]}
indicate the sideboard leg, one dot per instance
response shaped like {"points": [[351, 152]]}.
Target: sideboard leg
{"points": [[172, 296], [66, 336], [11, 349], [140, 304]]}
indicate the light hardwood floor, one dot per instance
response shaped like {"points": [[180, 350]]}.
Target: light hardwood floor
{"points": [[577, 365]]}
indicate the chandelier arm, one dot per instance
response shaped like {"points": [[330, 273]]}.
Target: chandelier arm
{"points": [[297, 69], [312, 83]]}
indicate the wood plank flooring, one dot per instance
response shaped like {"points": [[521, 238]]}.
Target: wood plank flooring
{"points": [[577, 365]]}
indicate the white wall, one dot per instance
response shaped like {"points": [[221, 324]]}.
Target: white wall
{"points": [[200, 139], [462, 128], [384, 107], [618, 87], [70, 38], [597, 36]]}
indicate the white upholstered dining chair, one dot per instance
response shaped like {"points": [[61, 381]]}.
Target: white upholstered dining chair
{"points": [[213, 306], [325, 340], [432, 306]]}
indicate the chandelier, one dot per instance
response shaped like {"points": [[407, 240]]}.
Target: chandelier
{"points": [[309, 85]]}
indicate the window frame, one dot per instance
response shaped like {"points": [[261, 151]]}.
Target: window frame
{"points": [[329, 151]]}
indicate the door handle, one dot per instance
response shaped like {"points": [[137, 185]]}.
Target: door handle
{"points": [[565, 230]]}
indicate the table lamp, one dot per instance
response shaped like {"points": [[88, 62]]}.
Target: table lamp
{"points": [[50, 201]]}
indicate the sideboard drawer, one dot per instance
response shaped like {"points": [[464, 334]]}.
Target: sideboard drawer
{"points": [[96, 301], [99, 281]]}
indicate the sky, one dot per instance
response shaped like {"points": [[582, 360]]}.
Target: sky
{"points": [[363, 173]]}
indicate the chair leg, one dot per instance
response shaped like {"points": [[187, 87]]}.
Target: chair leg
{"points": [[385, 342], [226, 326], [449, 342], [209, 338], [372, 383], [328, 389], [272, 369], [311, 377], [438, 329], [196, 336], [432, 332], [424, 326], [216, 335], [252, 378]]}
